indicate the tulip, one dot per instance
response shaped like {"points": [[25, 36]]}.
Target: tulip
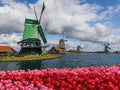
{"points": [[85, 78]]}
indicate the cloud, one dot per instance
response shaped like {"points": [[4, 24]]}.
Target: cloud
{"points": [[72, 19], [12, 16], [110, 12], [10, 40], [76, 18]]}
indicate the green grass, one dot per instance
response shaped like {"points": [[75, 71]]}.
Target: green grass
{"points": [[30, 57]]}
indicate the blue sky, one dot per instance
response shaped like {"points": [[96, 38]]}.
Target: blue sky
{"points": [[27, 1], [104, 3], [103, 17]]}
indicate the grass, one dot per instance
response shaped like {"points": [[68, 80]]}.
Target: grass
{"points": [[30, 57]]}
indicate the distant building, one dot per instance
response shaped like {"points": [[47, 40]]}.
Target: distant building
{"points": [[117, 51], [73, 51], [55, 50], [6, 50]]}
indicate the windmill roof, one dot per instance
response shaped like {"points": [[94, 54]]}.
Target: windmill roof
{"points": [[6, 49], [31, 21]]}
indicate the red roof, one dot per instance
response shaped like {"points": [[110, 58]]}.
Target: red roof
{"points": [[73, 51], [6, 49], [57, 48]]}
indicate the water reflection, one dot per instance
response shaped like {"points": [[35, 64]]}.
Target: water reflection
{"points": [[82, 60], [29, 65], [9, 66]]}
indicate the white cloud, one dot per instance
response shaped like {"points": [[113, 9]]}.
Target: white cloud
{"points": [[10, 40], [112, 10], [12, 16]]}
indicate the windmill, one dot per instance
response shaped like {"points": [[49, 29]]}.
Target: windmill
{"points": [[62, 42], [79, 48], [31, 42], [106, 48]]}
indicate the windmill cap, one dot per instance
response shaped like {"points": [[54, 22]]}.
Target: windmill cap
{"points": [[31, 21]]}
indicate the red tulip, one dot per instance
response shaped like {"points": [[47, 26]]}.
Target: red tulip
{"points": [[90, 78]]}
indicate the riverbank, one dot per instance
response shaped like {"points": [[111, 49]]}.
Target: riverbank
{"points": [[94, 52], [29, 57]]}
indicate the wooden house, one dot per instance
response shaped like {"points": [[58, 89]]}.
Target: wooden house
{"points": [[6, 50], [72, 51]]}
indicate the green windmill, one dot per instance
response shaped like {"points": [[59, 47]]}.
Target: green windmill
{"points": [[31, 43]]}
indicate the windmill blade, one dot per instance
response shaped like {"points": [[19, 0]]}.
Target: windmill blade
{"points": [[42, 34], [35, 13], [42, 12], [79, 45]]}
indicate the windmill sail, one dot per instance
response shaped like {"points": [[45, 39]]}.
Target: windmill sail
{"points": [[42, 34], [35, 13], [42, 12]]}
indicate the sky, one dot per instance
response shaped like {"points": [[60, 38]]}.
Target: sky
{"points": [[89, 23]]}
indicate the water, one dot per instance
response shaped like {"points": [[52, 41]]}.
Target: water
{"points": [[67, 61]]}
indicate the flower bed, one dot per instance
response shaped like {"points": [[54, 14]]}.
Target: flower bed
{"points": [[91, 78]]}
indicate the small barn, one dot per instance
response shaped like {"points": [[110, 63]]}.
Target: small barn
{"points": [[55, 50], [72, 51], [6, 50]]}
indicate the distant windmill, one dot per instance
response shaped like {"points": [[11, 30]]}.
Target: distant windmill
{"points": [[62, 42], [106, 48], [31, 43], [79, 48]]}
